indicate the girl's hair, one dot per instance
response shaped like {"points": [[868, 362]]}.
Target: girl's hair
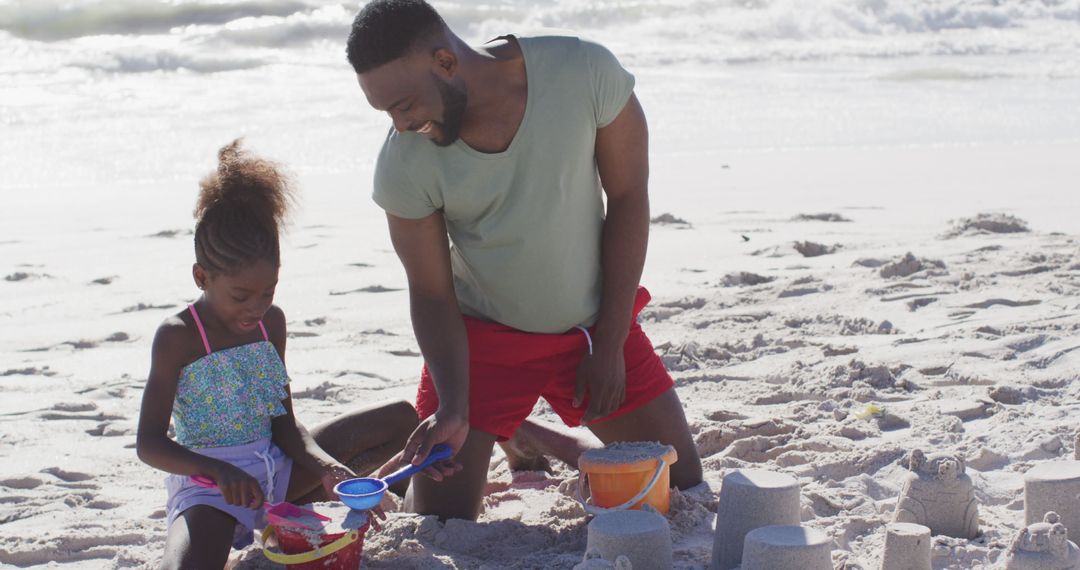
{"points": [[240, 207]]}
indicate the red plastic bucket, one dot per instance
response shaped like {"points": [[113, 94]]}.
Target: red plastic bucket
{"points": [[335, 551]]}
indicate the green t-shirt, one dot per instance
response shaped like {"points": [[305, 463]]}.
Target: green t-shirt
{"points": [[525, 224]]}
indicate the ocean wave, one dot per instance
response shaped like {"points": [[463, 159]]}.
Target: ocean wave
{"points": [[51, 20], [220, 35], [136, 60]]}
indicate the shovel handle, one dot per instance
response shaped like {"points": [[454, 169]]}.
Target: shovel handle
{"points": [[439, 452]]}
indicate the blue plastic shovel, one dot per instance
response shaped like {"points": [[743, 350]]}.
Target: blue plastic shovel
{"points": [[364, 493]]}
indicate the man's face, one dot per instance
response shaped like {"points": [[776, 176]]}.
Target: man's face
{"points": [[417, 96]]}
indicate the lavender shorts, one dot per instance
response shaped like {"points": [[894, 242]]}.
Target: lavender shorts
{"points": [[261, 459]]}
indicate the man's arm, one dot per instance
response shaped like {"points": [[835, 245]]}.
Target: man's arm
{"points": [[424, 250], [622, 159]]}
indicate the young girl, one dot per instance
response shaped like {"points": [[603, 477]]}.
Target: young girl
{"points": [[218, 369]]}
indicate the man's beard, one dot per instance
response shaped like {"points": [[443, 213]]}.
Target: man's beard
{"points": [[454, 101]]}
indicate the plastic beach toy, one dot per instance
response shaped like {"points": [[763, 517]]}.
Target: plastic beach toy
{"points": [[278, 514], [364, 493]]}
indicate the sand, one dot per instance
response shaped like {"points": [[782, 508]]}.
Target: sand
{"points": [[826, 367]]}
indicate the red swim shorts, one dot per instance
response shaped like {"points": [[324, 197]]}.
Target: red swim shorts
{"points": [[510, 369]]}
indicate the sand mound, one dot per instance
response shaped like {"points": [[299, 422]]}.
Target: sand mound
{"points": [[987, 224]]}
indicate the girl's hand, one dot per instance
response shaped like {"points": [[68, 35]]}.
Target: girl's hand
{"points": [[332, 474], [238, 487], [335, 473]]}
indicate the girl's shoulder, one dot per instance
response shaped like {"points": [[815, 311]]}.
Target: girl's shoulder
{"points": [[177, 338], [274, 321]]}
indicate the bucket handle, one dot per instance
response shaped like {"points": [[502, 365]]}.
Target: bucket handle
{"points": [[311, 555], [592, 509]]}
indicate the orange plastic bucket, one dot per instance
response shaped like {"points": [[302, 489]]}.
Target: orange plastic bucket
{"points": [[624, 476], [335, 551]]}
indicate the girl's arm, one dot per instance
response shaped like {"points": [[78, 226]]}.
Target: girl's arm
{"points": [[288, 433], [152, 442]]}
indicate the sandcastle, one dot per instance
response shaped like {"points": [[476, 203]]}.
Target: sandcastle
{"points": [[907, 547], [642, 537], [751, 499], [938, 494], [1054, 486], [787, 547], [1043, 546], [593, 561]]}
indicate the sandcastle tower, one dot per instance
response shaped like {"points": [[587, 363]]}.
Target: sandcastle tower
{"points": [[642, 537], [938, 494], [593, 561], [750, 499], [1054, 486], [907, 547], [787, 547], [1043, 546]]}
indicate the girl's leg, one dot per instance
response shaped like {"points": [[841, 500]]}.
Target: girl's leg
{"points": [[362, 440], [199, 538]]}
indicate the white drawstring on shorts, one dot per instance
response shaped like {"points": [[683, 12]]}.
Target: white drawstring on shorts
{"points": [[268, 460], [588, 337]]}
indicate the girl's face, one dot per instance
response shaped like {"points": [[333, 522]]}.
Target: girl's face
{"points": [[240, 299]]}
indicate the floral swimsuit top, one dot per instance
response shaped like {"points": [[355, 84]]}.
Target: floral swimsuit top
{"points": [[228, 397]]}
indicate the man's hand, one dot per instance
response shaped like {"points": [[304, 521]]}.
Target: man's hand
{"points": [[602, 375], [442, 427]]}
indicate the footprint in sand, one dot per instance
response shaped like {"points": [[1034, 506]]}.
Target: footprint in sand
{"points": [[23, 483], [301, 334], [665, 311], [1005, 302], [146, 307], [316, 322], [30, 371], [360, 264], [670, 220], [369, 289], [23, 276], [744, 279], [342, 373], [916, 304], [324, 391], [822, 217], [84, 344], [171, 233], [68, 476], [406, 352], [103, 280]]}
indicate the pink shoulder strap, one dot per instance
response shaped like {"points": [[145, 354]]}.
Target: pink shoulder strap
{"points": [[202, 331], [262, 327]]}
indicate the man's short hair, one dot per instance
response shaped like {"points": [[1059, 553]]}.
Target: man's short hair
{"points": [[385, 30]]}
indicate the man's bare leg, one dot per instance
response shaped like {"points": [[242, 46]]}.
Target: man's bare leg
{"points": [[660, 420], [458, 496], [537, 440]]}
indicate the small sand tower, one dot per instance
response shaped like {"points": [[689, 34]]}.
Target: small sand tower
{"points": [[907, 547], [642, 537], [787, 547], [750, 499], [1054, 486]]}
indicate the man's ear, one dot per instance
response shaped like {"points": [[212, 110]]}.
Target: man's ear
{"points": [[200, 275], [444, 63]]}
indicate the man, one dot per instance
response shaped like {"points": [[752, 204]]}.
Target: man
{"points": [[507, 149]]}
